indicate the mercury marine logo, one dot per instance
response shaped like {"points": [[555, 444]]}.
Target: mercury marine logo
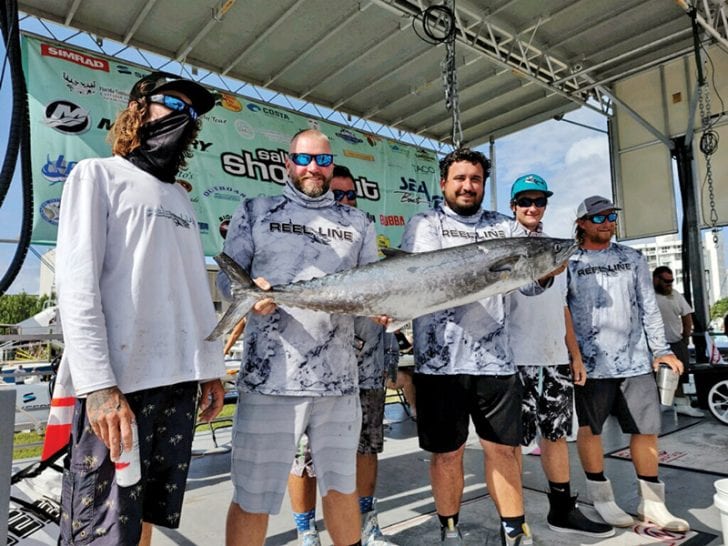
{"points": [[67, 118], [74, 57]]}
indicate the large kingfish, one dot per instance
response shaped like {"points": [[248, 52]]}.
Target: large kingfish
{"points": [[406, 285]]}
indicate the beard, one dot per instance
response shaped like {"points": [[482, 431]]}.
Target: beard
{"points": [[465, 210], [311, 185], [665, 291]]}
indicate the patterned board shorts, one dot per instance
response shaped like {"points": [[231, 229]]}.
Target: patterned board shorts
{"points": [[548, 402], [371, 438], [93, 508]]}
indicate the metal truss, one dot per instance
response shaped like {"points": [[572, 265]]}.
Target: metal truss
{"points": [[48, 28], [712, 16]]}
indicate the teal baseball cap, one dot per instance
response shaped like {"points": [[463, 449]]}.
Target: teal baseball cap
{"points": [[530, 182]]}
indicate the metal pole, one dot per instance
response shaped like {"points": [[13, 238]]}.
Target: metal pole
{"points": [[693, 277], [7, 408], [493, 190]]}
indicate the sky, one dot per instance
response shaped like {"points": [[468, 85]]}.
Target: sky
{"points": [[573, 160]]}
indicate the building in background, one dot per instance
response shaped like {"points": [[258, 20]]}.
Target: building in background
{"points": [[667, 250]]}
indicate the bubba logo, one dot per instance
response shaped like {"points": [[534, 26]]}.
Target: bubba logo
{"points": [[74, 56]]}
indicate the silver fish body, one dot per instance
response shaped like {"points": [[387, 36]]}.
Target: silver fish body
{"points": [[405, 285]]}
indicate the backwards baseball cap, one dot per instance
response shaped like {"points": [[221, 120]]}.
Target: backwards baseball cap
{"points": [[157, 82], [594, 205], [530, 182]]}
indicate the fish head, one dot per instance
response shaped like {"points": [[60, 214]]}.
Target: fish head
{"points": [[546, 254]]}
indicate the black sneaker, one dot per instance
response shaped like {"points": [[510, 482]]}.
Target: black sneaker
{"points": [[567, 518]]}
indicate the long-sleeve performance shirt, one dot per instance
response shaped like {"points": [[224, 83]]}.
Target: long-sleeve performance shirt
{"points": [[288, 238], [616, 318], [132, 286], [469, 339]]}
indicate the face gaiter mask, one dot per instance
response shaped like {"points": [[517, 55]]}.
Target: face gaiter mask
{"points": [[162, 142]]}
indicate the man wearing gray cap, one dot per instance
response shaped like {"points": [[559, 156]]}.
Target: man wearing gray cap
{"points": [[622, 340]]}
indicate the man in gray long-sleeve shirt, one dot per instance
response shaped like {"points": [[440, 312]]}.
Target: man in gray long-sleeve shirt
{"points": [[618, 324]]}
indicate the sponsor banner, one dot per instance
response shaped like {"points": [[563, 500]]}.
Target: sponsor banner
{"points": [[75, 95]]}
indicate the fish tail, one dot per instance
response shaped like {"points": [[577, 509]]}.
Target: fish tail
{"points": [[246, 294]]}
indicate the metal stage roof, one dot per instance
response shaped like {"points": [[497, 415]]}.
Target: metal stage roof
{"points": [[520, 62]]}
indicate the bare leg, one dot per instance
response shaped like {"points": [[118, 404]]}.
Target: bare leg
{"points": [[302, 490], [503, 477], [146, 538], [555, 460], [243, 528], [644, 454], [591, 452], [366, 474], [446, 475], [341, 514]]}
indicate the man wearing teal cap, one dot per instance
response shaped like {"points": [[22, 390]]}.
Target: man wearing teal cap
{"points": [[549, 363]]}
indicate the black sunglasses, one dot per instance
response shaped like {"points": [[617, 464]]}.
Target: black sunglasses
{"points": [[340, 194], [526, 202], [667, 281], [303, 160], [600, 218]]}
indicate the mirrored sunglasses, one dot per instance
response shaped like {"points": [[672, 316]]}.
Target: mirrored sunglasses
{"points": [[601, 218], [526, 202], [303, 160], [349, 194], [174, 103]]}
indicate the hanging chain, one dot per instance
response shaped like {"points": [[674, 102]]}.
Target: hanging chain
{"points": [[450, 81], [708, 146]]}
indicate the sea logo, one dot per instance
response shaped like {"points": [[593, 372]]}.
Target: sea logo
{"points": [[244, 129], [94, 63], [413, 192], [58, 170], [50, 210], [349, 136], [79, 87], [67, 117]]}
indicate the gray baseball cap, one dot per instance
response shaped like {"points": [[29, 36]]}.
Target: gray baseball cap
{"points": [[594, 205]]}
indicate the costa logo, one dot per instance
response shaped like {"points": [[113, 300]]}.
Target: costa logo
{"points": [[67, 118], [69, 55]]}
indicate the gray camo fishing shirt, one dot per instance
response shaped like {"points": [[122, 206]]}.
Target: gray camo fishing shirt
{"points": [[288, 238], [615, 314]]}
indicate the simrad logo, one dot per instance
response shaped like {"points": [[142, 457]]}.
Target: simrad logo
{"points": [[67, 118], [74, 57]]}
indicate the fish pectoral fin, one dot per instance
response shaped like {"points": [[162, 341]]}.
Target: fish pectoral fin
{"points": [[504, 265], [397, 324], [394, 252]]}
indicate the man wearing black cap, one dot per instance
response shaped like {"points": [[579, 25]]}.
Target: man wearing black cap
{"points": [[622, 340], [135, 305]]}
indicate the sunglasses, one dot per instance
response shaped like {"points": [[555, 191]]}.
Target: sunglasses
{"points": [[173, 103], [601, 218], [303, 160], [667, 281], [340, 194], [526, 202]]}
